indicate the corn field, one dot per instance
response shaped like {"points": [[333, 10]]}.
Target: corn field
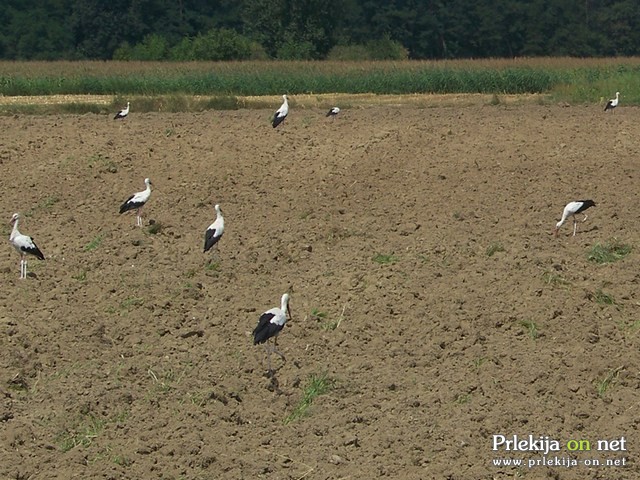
{"points": [[568, 79]]}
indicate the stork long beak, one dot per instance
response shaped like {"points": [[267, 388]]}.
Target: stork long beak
{"points": [[555, 232], [289, 311]]}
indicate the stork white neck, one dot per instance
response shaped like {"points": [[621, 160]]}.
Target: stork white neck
{"points": [[15, 219], [284, 303]]}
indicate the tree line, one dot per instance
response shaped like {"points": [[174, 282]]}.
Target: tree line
{"points": [[316, 29]]}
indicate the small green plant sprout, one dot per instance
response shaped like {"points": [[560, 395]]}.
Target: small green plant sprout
{"points": [[102, 163], [190, 273], [81, 436], [93, 244], [494, 248], [213, 266], [122, 460], [609, 252], [154, 227], [531, 328], [384, 259], [131, 302], [48, 202], [554, 279], [81, 277], [602, 298], [322, 317], [423, 258], [462, 398], [633, 327], [316, 386], [317, 314], [478, 362], [603, 385], [167, 381]]}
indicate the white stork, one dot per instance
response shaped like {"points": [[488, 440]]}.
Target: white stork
{"points": [[613, 103], [137, 201], [281, 113], [333, 112], [215, 230], [571, 209], [122, 113], [269, 326], [24, 245]]}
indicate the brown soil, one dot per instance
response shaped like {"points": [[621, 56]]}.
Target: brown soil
{"points": [[128, 355]]}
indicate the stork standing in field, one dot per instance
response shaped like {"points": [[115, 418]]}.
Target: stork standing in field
{"points": [[215, 231], [281, 113], [137, 201], [122, 113], [613, 103], [333, 112], [571, 209], [269, 326], [24, 245]]}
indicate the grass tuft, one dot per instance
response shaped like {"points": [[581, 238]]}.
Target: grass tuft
{"points": [[155, 227], [131, 302], [531, 328], [93, 244], [81, 276], [603, 298], [494, 248], [383, 259], [213, 266], [554, 279], [603, 385], [317, 314], [462, 398], [609, 252], [81, 436], [317, 385]]}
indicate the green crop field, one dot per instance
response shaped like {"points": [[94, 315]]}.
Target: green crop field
{"points": [[562, 79]]}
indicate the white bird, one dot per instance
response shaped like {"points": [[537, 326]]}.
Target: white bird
{"points": [[122, 113], [215, 230], [613, 103], [23, 244], [571, 209], [281, 113], [270, 324], [333, 112], [137, 201]]}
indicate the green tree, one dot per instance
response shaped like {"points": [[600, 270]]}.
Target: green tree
{"points": [[100, 27], [35, 30], [152, 47], [282, 26], [216, 44]]}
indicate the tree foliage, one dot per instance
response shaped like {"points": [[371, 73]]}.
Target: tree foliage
{"points": [[316, 29]]}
